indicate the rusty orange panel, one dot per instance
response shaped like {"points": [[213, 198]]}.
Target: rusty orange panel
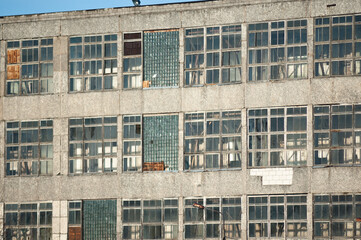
{"points": [[75, 233], [13, 72], [14, 56]]}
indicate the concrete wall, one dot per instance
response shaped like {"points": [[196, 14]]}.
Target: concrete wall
{"points": [[62, 105]]}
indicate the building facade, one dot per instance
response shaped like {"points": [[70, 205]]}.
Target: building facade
{"points": [[114, 122]]}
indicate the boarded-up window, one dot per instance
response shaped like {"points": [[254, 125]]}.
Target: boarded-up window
{"points": [[14, 56], [75, 233], [13, 72]]}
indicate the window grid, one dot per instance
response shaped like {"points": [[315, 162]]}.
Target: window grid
{"points": [[213, 55], [29, 67], [337, 216], [212, 140], [281, 217], [28, 221], [277, 137], [150, 143], [337, 46], [207, 223], [277, 50], [150, 219], [132, 61], [93, 145], [93, 63], [337, 135], [29, 148]]}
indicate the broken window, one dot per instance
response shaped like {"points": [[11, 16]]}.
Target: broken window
{"points": [[277, 50], [150, 219], [281, 217], [93, 63], [93, 145], [337, 46], [213, 55], [92, 219], [207, 223], [28, 221], [29, 67], [212, 140], [154, 65], [277, 137], [337, 135], [29, 148], [150, 143], [337, 216]]}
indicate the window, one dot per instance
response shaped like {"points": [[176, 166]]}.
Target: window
{"points": [[337, 135], [213, 55], [150, 219], [277, 137], [28, 221], [212, 140], [93, 145], [29, 67], [156, 65], [93, 63], [337, 46], [277, 50], [337, 216], [207, 223], [92, 219], [29, 148], [281, 217], [150, 143]]}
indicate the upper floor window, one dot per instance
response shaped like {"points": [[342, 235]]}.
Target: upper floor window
{"points": [[337, 135], [150, 143], [28, 221], [150, 219], [207, 223], [29, 148], [29, 67], [93, 63], [277, 50], [281, 217], [277, 137], [154, 65], [337, 216], [212, 140], [212, 55], [92, 145], [337, 46]]}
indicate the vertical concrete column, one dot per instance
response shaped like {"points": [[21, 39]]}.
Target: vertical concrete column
{"points": [[63, 164], [2, 163], [2, 217], [2, 72], [120, 60], [180, 142], [60, 78], [181, 57], [57, 147], [60, 220], [310, 55], [244, 53], [180, 219], [120, 144], [119, 219], [309, 216], [244, 159], [244, 217], [310, 136]]}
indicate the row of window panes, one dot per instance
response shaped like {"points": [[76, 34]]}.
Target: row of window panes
{"points": [[92, 145], [93, 63], [212, 140], [28, 221], [29, 67], [29, 148]]}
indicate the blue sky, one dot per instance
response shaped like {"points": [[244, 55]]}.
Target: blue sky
{"points": [[20, 7]]}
